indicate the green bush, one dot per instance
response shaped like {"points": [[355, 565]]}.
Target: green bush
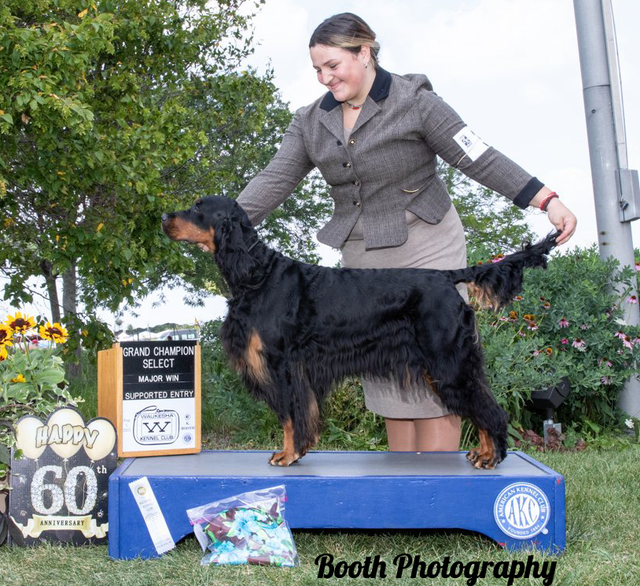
{"points": [[566, 323]]}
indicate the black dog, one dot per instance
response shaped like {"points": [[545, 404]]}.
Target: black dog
{"points": [[293, 330]]}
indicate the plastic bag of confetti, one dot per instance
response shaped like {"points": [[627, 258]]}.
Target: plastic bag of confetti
{"points": [[248, 528]]}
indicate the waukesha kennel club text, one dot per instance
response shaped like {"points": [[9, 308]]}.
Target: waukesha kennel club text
{"points": [[412, 566]]}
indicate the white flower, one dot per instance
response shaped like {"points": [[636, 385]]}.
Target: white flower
{"points": [[629, 423]]}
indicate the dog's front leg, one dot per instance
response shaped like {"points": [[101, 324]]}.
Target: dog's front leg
{"points": [[288, 455]]}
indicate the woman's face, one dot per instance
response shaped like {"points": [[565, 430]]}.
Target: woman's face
{"points": [[342, 72]]}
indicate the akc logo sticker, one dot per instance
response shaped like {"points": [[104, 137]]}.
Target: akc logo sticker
{"points": [[522, 510]]}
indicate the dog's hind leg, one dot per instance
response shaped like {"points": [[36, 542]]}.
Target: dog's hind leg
{"points": [[491, 422], [457, 377], [473, 399]]}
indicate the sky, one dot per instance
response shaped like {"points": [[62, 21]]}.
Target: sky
{"points": [[510, 68]]}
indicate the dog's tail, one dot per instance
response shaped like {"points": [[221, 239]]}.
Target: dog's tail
{"points": [[495, 284]]}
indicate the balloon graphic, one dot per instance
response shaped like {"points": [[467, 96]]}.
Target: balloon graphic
{"points": [[26, 437], [105, 441], [61, 418]]}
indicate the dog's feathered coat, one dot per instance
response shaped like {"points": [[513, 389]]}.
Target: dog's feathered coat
{"points": [[293, 330]]}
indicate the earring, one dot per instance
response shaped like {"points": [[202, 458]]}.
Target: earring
{"points": [[366, 65]]}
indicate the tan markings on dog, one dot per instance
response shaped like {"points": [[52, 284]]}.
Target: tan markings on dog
{"points": [[483, 297], [254, 359], [431, 384], [181, 229], [314, 419], [484, 455], [288, 454], [406, 383]]}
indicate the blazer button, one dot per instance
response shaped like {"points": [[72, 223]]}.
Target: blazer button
{"points": [[356, 203], [352, 141], [356, 183], [347, 165]]}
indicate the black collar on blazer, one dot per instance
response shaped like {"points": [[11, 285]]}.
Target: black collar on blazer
{"points": [[379, 90]]}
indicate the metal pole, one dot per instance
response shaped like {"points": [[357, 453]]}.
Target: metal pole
{"points": [[614, 236]]}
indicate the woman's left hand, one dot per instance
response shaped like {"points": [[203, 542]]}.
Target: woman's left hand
{"points": [[563, 219]]}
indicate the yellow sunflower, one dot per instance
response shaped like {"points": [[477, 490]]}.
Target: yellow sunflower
{"points": [[54, 332], [19, 379], [3, 353], [6, 335], [20, 324]]}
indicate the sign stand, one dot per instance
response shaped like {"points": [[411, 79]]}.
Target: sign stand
{"points": [[151, 392]]}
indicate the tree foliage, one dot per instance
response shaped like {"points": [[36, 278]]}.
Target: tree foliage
{"points": [[112, 113]]}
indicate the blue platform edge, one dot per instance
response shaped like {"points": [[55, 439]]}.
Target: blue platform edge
{"points": [[361, 495]]}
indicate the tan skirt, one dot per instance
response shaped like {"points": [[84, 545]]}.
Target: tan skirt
{"points": [[429, 246]]}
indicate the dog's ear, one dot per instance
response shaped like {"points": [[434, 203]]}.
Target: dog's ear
{"points": [[232, 250]]}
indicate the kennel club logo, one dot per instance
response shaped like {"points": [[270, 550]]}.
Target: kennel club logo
{"points": [[154, 426], [522, 510], [59, 484]]}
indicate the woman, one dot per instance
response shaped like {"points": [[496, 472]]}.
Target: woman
{"points": [[374, 137]]}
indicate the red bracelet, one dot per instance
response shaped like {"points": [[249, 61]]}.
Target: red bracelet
{"points": [[547, 200]]}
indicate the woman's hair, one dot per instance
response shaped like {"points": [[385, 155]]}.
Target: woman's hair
{"points": [[346, 31]]}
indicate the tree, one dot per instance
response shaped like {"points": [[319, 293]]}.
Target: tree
{"points": [[104, 110]]}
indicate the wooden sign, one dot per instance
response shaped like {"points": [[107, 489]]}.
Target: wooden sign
{"points": [[151, 393], [59, 487]]}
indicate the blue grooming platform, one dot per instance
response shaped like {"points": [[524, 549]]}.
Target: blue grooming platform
{"points": [[520, 504]]}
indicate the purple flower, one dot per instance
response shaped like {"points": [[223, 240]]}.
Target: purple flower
{"points": [[606, 380], [563, 323], [632, 299], [579, 343], [626, 341]]}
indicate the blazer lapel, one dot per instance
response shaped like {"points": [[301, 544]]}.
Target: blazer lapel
{"points": [[332, 120], [369, 110], [331, 115]]}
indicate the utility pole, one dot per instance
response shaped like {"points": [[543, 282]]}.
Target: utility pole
{"points": [[615, 187]]}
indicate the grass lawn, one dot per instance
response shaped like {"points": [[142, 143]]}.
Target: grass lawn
{"points": [[603, 545]]}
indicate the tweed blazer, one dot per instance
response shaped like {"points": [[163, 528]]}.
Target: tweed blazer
{"points": [[387, 166]]}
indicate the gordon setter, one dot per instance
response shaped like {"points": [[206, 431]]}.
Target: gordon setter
{"points": [[294, 330]]}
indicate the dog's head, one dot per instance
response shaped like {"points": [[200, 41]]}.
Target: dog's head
{"points": [[220, 226], [207, 223]]}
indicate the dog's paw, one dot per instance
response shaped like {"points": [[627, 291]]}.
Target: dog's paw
{"points": [[284, 458], [484, 457]]}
